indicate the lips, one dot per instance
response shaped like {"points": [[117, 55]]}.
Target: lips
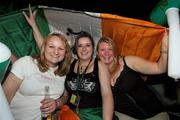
{"points": [[107, 59], [84, 53]]}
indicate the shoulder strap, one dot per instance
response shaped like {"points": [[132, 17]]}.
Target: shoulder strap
{"points": [[124, 61], [96, 68], [73, 65]]}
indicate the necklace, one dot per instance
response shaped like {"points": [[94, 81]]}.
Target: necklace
{"points": [[83, 68], [83, 72]]}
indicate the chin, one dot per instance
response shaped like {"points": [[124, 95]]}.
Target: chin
{"points": [[106, 62]]}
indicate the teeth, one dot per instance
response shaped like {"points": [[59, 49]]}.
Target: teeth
{"points": [[106, 58], [83, 53]]}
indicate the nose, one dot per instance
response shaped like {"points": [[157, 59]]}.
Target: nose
{"points": [[83, 47], [106, 52], [56, 51]]}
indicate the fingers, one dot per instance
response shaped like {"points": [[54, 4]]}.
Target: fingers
{"points": [[30, 7], [30, 11], [48, 105], [25, 15], [34, 13], [30, 18]]}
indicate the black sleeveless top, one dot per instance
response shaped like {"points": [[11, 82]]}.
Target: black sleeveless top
{"points": [[89, 88], [132, 96]]}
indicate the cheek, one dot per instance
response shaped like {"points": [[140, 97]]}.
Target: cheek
{"points": [[111, 54], [47, 50], [46, 55], [90, 49], [101, 53], [63, 53]]}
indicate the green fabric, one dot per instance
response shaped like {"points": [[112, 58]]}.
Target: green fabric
{"points": [[3, 68], [158, 14], [90, 114], [17, 34]]}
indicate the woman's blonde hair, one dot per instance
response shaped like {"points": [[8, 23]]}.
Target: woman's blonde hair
{"points": [[109, 41], [63, 66]]}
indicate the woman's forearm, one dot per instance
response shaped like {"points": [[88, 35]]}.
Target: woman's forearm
{"points": [[37, 36], [108, 107]]}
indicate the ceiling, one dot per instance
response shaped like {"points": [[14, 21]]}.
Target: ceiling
{"points": [[139, 9]]}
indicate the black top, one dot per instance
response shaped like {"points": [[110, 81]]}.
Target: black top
{"points": [[133, 96], [89, 88]]}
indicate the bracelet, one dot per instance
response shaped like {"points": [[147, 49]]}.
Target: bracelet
{"points": [[163, 51], [58, 102]]}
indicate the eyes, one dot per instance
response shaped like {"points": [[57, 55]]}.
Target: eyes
{"points": [[86, 45], [106, 49], [56, 47]]}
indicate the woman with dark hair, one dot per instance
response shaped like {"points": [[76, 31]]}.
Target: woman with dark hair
{"points": [[88, 83]]}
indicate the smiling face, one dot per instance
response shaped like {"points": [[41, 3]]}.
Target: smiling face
{"points": [[54, 51], [84, 48], [105, 53], [106, 50]]}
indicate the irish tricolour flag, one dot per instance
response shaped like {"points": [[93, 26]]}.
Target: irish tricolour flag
{"points": [[131, 36]]}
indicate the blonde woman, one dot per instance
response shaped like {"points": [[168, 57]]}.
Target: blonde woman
{"points": [[133, 98], [24, 86]]}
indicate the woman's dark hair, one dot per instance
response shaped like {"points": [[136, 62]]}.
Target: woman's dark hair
{"points": [[82, 34]]}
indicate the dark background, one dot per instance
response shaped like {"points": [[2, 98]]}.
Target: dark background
{"points": [[139, 9]]}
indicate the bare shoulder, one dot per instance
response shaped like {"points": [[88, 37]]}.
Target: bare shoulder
{"points": [[100, 63], [132, 60], [129, 59]]}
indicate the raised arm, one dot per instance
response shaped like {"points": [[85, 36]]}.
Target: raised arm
{"points": [[31, 20], [107, 97], [146, 67], [162, 63]]}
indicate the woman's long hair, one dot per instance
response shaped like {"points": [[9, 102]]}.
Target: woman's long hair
{"points": [[110, 42], [63, 66]]}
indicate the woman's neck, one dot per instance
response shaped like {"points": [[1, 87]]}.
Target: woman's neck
{"points": [[115, 66], [84, 62], [52, 65], [112, 66]]}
